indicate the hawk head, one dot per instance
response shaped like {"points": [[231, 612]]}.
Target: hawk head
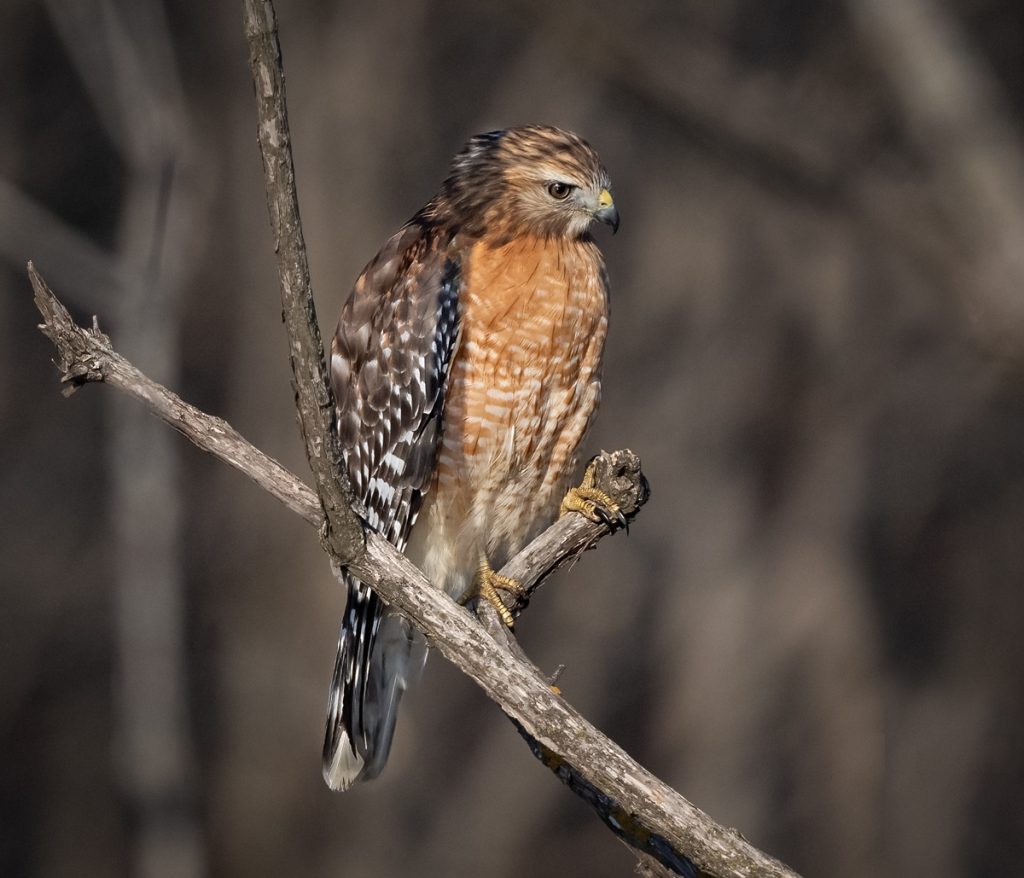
{"points": [[534, 180]]}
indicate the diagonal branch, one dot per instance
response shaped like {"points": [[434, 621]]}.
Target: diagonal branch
{"points": [[642, 810], [87, 356]]}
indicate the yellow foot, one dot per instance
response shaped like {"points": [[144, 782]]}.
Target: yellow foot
{"points": [[487, 584], [593, 503]]}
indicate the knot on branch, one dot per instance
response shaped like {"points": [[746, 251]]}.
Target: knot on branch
{"points": [[618, 474]]}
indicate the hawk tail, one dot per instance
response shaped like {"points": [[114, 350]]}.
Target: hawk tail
{"points": [[379, 656]]}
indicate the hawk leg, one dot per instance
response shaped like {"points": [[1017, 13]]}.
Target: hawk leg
{"points": [[488, 581], [593, 503]]}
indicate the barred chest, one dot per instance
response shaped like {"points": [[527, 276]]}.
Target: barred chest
{"points": [[523, 390]]}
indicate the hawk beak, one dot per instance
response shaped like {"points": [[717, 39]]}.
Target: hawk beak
{"points": [[606, 212]]}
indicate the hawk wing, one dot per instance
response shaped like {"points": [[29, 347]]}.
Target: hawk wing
{"points": [[390, 361]]}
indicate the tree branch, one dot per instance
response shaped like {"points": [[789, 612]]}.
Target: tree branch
{"points": [[641, 809], [618, 475], [87, 356], [342, 536]]}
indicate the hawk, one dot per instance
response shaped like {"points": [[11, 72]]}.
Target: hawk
{"points": [[467, 369]]}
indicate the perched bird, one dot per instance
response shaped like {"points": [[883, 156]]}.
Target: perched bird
{"points": [[467, 369]]}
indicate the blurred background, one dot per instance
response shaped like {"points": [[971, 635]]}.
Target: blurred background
{"points": [[813, 630]]}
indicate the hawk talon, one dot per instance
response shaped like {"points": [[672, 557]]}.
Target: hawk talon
{"points": [[611, 519], [487, 585], [593, 503]]}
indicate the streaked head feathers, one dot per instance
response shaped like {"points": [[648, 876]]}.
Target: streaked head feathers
{"points": [[535, 180]]}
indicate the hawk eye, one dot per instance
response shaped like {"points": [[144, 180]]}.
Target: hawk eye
{"points": [[558, 190]]}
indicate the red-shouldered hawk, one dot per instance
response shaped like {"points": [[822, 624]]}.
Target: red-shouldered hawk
{"points": [[467, 370]]}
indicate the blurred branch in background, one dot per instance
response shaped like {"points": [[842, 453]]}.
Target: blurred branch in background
{"points": [[65, 253], [126, 64], [749, 121], [956, 117]]}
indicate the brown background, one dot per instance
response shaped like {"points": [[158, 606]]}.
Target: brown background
{"points": [[814, 629]]}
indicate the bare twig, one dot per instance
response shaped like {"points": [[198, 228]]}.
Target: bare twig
{"points": [[86, 355], [642, 810], [343, 535]]}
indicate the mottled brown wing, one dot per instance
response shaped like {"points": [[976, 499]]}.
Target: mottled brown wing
{"points": [[390, 361], [389, 367]]}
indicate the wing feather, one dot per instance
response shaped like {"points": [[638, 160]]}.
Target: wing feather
{"points": [[390, 361]]}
